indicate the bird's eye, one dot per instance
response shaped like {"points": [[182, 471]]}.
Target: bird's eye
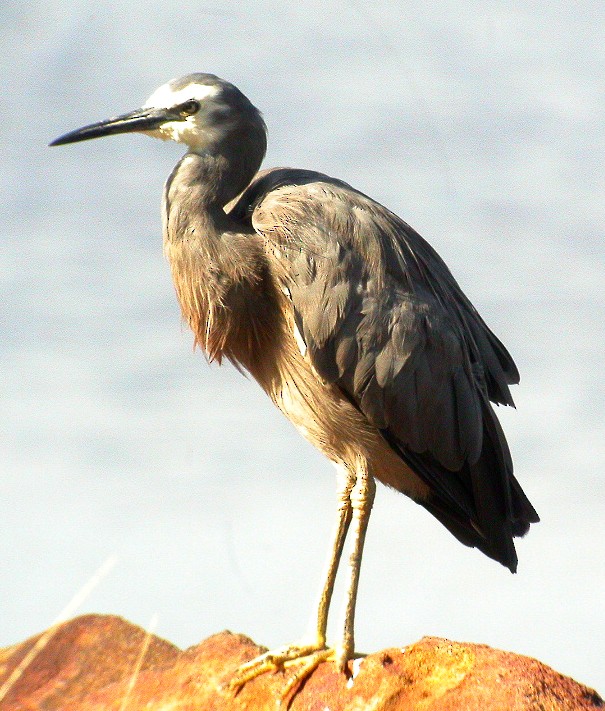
{"points": [[189, 108]]}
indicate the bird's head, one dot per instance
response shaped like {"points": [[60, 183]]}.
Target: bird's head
{"points": [[199, 110]]}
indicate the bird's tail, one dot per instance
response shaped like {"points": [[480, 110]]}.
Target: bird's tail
{"points": [[490, 507]]}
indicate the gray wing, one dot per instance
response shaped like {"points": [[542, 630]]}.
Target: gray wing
{"points": [[384, 319]]}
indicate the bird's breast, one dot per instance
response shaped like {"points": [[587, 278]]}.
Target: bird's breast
{"points": [[224, 293]]}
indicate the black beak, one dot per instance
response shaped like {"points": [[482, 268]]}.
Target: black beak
{"points": [[139, 120]]}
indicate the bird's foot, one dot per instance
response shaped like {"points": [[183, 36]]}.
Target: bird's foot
{"points": [[303, 659]]}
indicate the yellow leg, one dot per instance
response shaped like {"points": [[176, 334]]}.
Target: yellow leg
{"points": [[362, 499], [355, 498], [345, 482]]}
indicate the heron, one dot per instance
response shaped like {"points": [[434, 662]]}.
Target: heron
{"points": [[349, 321]]}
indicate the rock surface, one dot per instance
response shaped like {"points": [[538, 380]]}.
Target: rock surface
{"points": [[98, 663]]}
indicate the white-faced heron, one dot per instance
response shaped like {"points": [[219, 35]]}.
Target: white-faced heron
{"points": [[350, 322]]}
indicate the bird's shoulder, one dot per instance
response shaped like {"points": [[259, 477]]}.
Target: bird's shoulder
{"points": [[318, 215], [289, 192]]}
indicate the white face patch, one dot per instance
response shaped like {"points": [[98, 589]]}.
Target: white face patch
{"points": [[166, 96], [191, 130]]}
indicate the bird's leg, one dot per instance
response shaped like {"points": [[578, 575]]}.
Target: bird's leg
{"points": [[362, 499], [308, 655], [345, 483]]}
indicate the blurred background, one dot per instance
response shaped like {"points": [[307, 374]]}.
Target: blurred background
{"points": [[482, 125]]}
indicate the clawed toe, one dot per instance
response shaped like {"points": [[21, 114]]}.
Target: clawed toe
{"points": [[301, 659]]}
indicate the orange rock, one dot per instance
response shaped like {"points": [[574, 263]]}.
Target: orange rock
{"points": [[100, 663]]}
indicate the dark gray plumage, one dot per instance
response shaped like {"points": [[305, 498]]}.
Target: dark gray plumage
{"points": [[350, 322], [385, 320]]}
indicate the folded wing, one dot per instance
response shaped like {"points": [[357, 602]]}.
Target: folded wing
{"points": [[383, 318]]}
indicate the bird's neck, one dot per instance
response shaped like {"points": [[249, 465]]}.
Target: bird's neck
{"points": [[211, 179], [218, 266]]}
